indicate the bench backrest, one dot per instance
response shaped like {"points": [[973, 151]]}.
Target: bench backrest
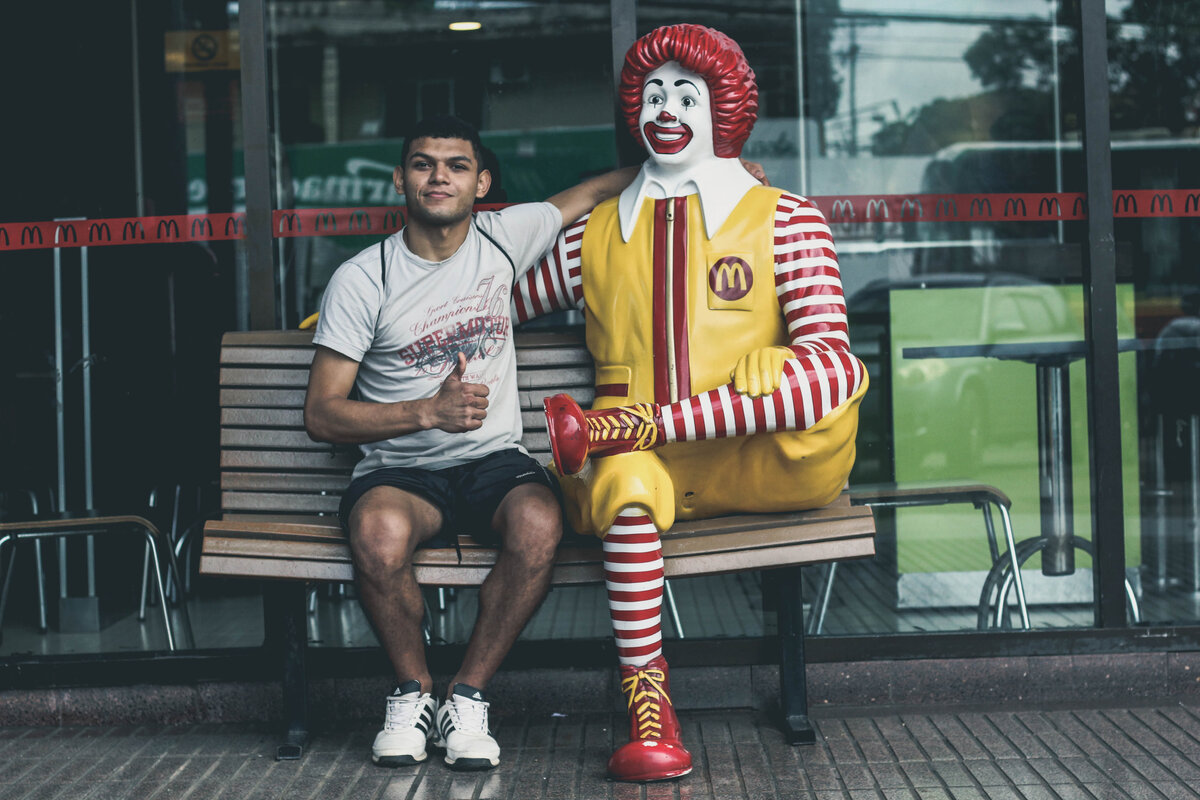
{"points": [[270, 466]]}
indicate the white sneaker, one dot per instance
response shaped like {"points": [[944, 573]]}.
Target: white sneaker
{"points": [[462, 730], [406, 727]]}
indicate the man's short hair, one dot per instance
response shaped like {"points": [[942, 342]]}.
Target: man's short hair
{"points": [[713, 56], [444, 126]]}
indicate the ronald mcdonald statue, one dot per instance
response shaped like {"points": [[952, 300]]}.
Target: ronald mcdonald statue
{"points": [[724, 378]]}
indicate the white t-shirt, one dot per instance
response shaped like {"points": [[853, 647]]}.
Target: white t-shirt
{"points": [[405, 332]]}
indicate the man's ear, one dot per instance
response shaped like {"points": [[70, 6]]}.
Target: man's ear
{"points": [[398, 179], [484, 184]]}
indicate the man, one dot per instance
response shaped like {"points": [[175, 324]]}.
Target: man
{"points": [[694, 276], [420, 326]]}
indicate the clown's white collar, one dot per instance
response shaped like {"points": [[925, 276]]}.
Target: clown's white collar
{"points": [[721, 183]]}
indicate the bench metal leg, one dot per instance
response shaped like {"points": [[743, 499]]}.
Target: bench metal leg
{"points": [[284, 604], [793, 682]]}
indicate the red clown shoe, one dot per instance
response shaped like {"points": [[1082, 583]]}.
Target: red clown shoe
{"points": [[654, 751], [576, 434]]}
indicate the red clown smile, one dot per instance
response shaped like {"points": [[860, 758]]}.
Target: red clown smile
{"points": [[666, 141]]}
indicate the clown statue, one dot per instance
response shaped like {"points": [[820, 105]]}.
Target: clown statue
{"points": [[724, 379]]}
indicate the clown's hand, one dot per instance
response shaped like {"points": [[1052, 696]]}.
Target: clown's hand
{"points": [[760, 372]]}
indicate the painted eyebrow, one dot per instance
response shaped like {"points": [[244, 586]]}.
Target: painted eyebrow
{"points": [[682, 81], [654, 80]]}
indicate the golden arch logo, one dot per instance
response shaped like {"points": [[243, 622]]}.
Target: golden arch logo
{"points": [[731, 278]]}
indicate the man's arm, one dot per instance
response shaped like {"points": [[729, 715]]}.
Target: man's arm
{"points": [[573, 203], [331, 416]]}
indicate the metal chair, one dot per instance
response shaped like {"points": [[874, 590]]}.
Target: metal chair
{"points": [[62, 525], [980, 495]]}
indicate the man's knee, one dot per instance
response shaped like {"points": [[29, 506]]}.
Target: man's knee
{"points": [[383, 537], [530, 524]]}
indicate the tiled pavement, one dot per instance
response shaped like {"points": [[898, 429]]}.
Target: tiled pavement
{"points": [[1129, 752]]}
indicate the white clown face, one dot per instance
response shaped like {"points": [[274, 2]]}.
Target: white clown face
{"points": [[676, 119]]}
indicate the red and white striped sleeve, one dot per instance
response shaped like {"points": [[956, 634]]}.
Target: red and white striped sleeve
{"points": [[555, 282], [808, 283]]}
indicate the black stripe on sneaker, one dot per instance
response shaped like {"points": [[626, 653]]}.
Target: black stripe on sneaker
{"points": [[426, 720]]}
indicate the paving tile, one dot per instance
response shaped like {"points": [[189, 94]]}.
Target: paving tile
{"points": [[927, 736]]}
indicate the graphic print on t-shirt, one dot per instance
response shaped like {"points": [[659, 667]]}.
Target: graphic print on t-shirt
{"points": [[475, 324]]}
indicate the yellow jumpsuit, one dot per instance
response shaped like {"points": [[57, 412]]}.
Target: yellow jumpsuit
{"points": [[665, 321]]}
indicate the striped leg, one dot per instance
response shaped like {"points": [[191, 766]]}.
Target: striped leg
{"points": [[633, 575], [812, 386]]}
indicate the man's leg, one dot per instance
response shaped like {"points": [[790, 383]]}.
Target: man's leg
{"points": [[386, 526], [633, 576], [529, 522]]}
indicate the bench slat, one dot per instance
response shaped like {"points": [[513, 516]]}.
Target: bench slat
{"points": [[315, 461], [262, 398], [283, 356], [559, 379], [284, 481], [275, 438], [280, 501], [253, 376], [262, 417]]}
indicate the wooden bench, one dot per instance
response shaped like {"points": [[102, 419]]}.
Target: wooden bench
{"points": [[280, 493]]}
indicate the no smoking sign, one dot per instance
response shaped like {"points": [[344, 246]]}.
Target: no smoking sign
{"points": [[202, 51]]}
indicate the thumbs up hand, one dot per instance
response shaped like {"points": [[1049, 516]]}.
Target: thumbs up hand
{"points": [[459, 406]]}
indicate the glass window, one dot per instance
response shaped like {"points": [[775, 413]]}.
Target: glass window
{"points": [[1154, 85], [139, 126]]}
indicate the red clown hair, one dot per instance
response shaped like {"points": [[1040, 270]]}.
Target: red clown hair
{"points": [[713, 56]]}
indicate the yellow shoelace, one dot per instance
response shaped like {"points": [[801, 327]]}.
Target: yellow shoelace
{"points": [[636, 421], [649, 711]]}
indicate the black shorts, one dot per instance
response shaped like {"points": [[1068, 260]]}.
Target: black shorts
{"points": [[467, 495]]}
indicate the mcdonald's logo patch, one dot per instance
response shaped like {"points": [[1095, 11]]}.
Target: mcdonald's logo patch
{"points": [[946, 207], [877, 208], [730, 278], [133, 229], [33, 232], [360, 219], [393, 219], [325, 220], [1163, 201], [292, 220], [201, 227], [978, 204], [99, 231], [236, 224], [911, 209], [65, 233], [7, 241]]}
